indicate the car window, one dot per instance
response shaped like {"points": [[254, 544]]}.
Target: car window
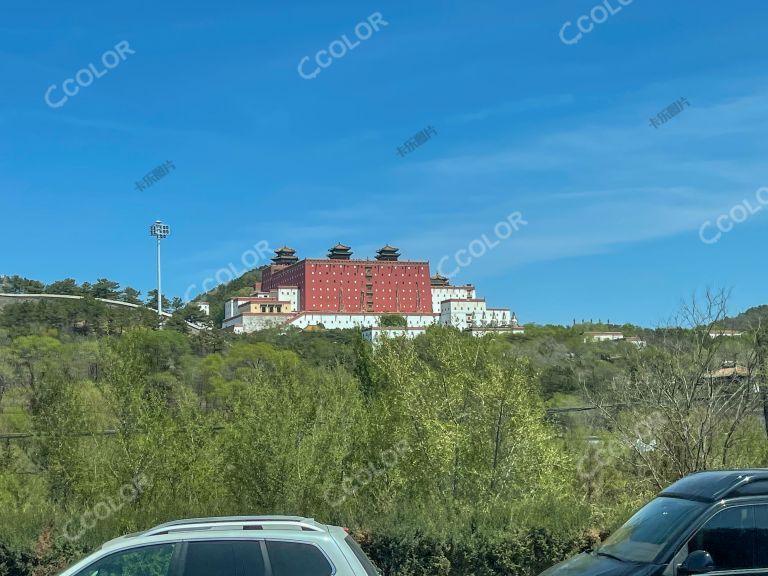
{"points": [[729, 537], [761, 536], [759, 488], [144, 561], [249, 558], [368, 566], [297, 559], [216, 558]]}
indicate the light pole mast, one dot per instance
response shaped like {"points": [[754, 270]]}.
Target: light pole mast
{"points": [[159, 231]]}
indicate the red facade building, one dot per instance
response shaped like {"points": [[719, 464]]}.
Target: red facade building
{"points": [[384, 285]]}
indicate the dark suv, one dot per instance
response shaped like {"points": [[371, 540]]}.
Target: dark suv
{"points": [[709, 522]]}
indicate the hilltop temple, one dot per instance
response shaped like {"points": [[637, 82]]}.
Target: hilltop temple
{"points": [[341, 292]]}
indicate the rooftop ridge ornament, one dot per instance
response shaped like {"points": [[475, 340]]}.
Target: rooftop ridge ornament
{"points": [[285, 256], [388, 253], [340, 252], [438, 280]]}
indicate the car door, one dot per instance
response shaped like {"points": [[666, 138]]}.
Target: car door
{"points": [[761, 537], [735, 537]]}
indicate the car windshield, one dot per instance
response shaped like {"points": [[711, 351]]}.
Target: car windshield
{"points": [[648, 534]]}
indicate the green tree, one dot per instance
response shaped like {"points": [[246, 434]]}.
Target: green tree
{"points": [[558, 380], [35, 359], [472, 421], [67, 286], [392, 320], [152, 301], [289, 430], [673, 408], [20, 285], [104, 288], [130, 295]]}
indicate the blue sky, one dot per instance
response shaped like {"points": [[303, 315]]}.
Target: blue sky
{"points": [[525, 123]]}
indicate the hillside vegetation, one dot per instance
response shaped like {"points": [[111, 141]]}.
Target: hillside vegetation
{"points": [[445, 454]]}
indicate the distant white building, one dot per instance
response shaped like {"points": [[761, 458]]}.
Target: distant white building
{"points": [[513, 328], [374, 334], [608, 336], [636, 340], [724, 332], [602, 336], [442, 292]]}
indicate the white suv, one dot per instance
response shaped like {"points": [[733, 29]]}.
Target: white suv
{"points": [[233, 546]]}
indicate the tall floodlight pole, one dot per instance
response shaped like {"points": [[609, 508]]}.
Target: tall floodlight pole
{"points": [[159, 231]]}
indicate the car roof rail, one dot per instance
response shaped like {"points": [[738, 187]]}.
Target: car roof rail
{"points": [[235, 522]]}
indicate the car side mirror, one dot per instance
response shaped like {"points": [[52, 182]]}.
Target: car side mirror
{"points": [[697, 562]]}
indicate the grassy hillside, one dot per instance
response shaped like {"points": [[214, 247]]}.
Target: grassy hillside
{"points": [[242, 286], [475, 455], [750, 319]]}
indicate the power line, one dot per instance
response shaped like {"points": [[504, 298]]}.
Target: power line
{"points": [[23, 435], [82, 434]]}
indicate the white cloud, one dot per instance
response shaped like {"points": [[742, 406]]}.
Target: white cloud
{"points": [[607, 184]]}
